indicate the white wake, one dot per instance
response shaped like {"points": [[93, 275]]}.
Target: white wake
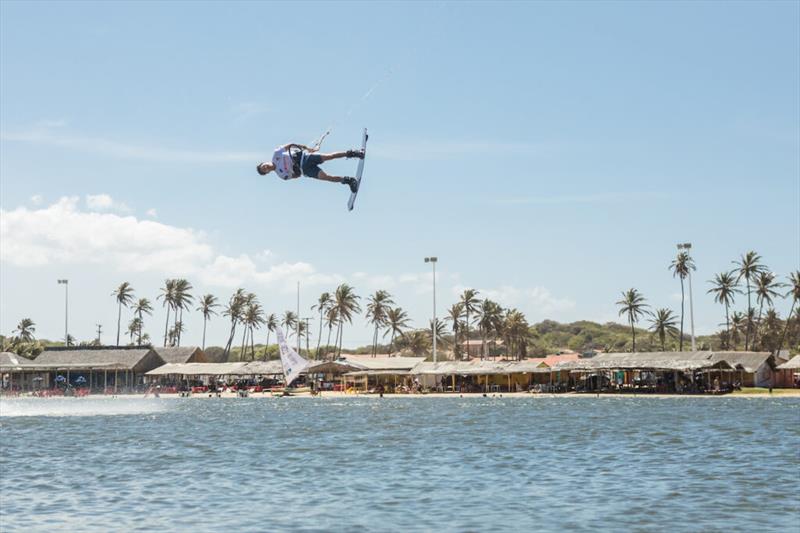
{"points": [[80, 406]]}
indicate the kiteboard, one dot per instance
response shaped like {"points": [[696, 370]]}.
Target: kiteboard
{"points": [[352, 201]]}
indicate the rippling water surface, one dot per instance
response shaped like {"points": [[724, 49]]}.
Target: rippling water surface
{"points": [[445, 464]]}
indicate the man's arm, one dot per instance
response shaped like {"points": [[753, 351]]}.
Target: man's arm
{"points": [[301, 146]]}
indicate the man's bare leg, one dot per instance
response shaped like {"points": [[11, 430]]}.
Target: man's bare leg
{"points": [[350, 182], [339, 155], [327, 177]]}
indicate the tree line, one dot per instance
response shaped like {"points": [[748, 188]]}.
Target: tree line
{"points": [[757, 327]]}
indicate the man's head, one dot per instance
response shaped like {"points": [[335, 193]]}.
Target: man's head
{"points": [[265, 168]]}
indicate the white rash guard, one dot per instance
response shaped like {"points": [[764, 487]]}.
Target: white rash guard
{"points": [[282, 159]]}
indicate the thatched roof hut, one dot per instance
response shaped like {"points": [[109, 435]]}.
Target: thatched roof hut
{"points": [[791, 364], [11, 362], [136, 360], [181, 354]]}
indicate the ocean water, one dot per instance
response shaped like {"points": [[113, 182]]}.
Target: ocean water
{"points": [[400, 464]]}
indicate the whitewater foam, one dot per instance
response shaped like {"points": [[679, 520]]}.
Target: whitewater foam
{"points": [[80, 406]]}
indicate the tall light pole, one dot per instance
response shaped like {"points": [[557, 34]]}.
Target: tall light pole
{"points": [[688, 246], [432, 261], [65, 283]]}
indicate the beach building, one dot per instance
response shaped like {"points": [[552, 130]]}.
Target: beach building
{"points": [[757, 369], [389, 372], [474, 348], [788, 373], [181, 354], [200, 376], [108, 369], [665, 372], [15, 373]]}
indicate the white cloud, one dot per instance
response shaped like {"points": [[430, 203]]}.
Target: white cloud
{"points": [[104, 202], [45, 133], [37, 199], [62, 233], [152, 213]]}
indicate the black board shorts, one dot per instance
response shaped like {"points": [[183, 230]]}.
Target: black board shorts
{"points": [[311, 165]]}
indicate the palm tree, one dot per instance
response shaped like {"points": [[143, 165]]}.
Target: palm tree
{"points": [[725, 288], [253, 319], [377, 305], [663, 324], [234, 311], [207, 304], [738, 325], [323, 304], [417, 341], [271, 321], [141, 308], [766, 292], [748, 268], [454, 316], [469, 299], [167, 297], [490, 320], [331, 320], [516, 332], [183, 300], [135, 328], [681, 267], [175, 333], [440, 331], [346, 304], [794, 292], [25, 330], [632, 304], [396, 322], [289, 321], [124, 296]]}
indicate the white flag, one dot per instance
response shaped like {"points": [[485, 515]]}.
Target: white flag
{"points": [[293, 364]]}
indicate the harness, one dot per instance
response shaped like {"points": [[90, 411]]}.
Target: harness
{"points": [[298, 160]]}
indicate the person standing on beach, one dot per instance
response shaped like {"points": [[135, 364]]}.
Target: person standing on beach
{"points": [[291, 161]]}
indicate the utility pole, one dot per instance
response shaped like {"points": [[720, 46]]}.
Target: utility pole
{"points": [[298, 317], [688, 246], [432, 261], [308, 331], [65, 283], [99, 331]]}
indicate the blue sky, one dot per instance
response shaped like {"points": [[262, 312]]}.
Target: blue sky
{"points": [[551, 155]]}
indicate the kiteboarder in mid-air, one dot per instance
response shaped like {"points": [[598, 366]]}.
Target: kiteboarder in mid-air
{"points": [[291, 161]]}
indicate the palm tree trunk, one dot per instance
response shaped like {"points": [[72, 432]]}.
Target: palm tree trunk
{"points": [[727, 328], [680, 342], [119, 318], [328, 343], [204, 333], [252, 346], [747, 331], [180, 330], [166, 327], [230, 339], [758, 323], [341, 339], [266, 348], [786, 327], [633, 334], [244, 343], [319, 337]]}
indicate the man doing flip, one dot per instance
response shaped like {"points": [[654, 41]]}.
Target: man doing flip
{"points": [[291, 161]]}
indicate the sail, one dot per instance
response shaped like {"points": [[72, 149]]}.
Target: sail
{"points": [[292, 363]]}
